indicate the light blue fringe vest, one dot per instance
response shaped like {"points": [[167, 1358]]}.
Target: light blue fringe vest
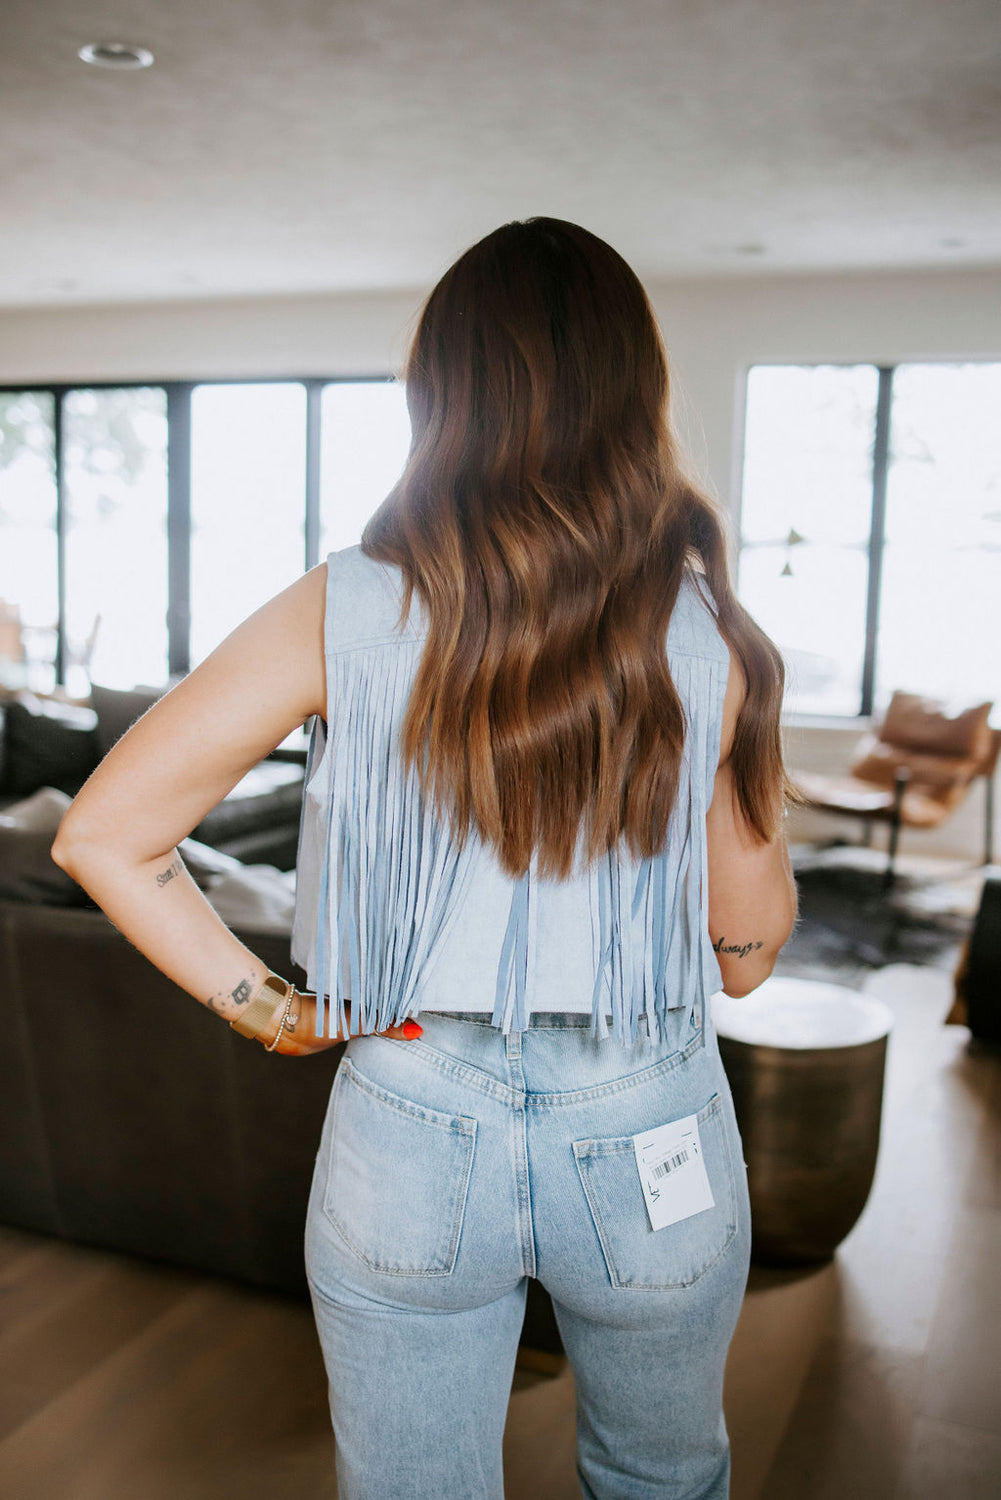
{"points": [[380, 882]]}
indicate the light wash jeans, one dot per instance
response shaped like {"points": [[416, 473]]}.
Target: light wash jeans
{"points": [[452, 1168]]}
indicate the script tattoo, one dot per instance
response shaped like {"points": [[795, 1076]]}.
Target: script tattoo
{"points": [[243, 992], [173, 869], [739, 950]]}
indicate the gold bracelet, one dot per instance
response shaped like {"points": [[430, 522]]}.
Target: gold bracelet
{"points": [[270, 1046], [257, 1016]]}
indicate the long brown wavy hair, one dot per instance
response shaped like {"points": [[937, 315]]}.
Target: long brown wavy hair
{"points": [[545, 519]]}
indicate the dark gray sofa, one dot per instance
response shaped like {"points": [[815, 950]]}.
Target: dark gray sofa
{"points": [[133, 1118], [130, 1116], [44, 742]]}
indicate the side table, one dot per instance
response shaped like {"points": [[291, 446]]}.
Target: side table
{"points": [[805, 1061]]}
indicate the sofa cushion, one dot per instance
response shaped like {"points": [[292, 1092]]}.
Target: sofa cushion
{"points": [[27, 869], [118, 709], [269, 796], [205, 864], [257, 897], [48, 743]]}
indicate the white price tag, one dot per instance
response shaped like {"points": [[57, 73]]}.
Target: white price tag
{"points": [[672, 1172]]}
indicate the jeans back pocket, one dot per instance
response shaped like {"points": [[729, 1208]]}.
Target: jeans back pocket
{"points": [[636, 1255], [397, 1177]]}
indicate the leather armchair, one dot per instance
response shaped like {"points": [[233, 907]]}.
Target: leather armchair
{"points": [[913, 770]]}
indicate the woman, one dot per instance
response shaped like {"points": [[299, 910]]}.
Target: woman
{"points": [[543, 810]]}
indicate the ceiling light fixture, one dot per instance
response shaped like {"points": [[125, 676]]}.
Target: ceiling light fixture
{"points": [[115, 55]]}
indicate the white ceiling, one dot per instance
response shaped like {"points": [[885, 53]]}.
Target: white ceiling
{"points": [[287, 146]]}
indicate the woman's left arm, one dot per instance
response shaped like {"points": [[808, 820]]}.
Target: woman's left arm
{"points": [[119, 836]]}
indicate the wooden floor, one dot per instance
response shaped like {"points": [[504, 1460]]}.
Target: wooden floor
{"points": [[875, 1376]]}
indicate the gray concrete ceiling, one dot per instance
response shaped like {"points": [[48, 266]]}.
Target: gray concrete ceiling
{"points": [[287, 146]]}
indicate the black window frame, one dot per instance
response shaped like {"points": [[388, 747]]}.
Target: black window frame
{"points": [[178, 398]]}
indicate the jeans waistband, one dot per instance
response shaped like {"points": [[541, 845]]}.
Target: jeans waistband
{"points": [[554, 1020]]}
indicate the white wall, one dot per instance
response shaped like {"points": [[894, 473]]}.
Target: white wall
{"points": [[715, 329], [205, 340]]}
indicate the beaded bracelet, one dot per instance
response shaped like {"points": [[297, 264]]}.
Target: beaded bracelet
{"points": [[270, 1046]]}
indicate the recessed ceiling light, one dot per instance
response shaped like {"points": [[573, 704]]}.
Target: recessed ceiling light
{"points": [[115, 55]]}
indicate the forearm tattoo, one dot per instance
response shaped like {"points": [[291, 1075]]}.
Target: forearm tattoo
{"points": [[222, 1003], [737, 950], [175, 868]]}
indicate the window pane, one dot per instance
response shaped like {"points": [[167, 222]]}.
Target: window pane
{"points": [[28, 566], [940, 614], [115, 461], [805, 518], [821, 607], [248, 502], [364, 445]]}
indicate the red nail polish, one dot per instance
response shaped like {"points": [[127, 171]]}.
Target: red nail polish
{"points": [[411, 1030]]}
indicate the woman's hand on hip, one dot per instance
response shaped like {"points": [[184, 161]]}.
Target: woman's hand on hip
{"points": [[299, 1037]]}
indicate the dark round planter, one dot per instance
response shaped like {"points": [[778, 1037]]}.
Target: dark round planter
{"points": [[805, 1062]]}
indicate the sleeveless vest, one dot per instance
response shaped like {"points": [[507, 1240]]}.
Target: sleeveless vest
{"points": [[381, 886]]}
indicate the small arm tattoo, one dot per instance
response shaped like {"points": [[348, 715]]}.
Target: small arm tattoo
{"points": [[243, 992], [170, 873], [738, 950]]}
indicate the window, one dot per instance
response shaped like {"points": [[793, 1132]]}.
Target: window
{"points": [[805, 523], [871, 529], [139, 524], [366, 437], [115, 525], [29, 554], [248, 482], [940, 603]]}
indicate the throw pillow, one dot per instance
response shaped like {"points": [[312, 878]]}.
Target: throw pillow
{"points": [[27, 869], [118, 709], [48, 743], [916, 723]]}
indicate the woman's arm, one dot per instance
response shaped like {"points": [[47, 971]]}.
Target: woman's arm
{"points": [[752, 893], [119, 836]]}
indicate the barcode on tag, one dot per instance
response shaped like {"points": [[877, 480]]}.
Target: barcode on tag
{"points": [[671, 1165], [672, 1172]]}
